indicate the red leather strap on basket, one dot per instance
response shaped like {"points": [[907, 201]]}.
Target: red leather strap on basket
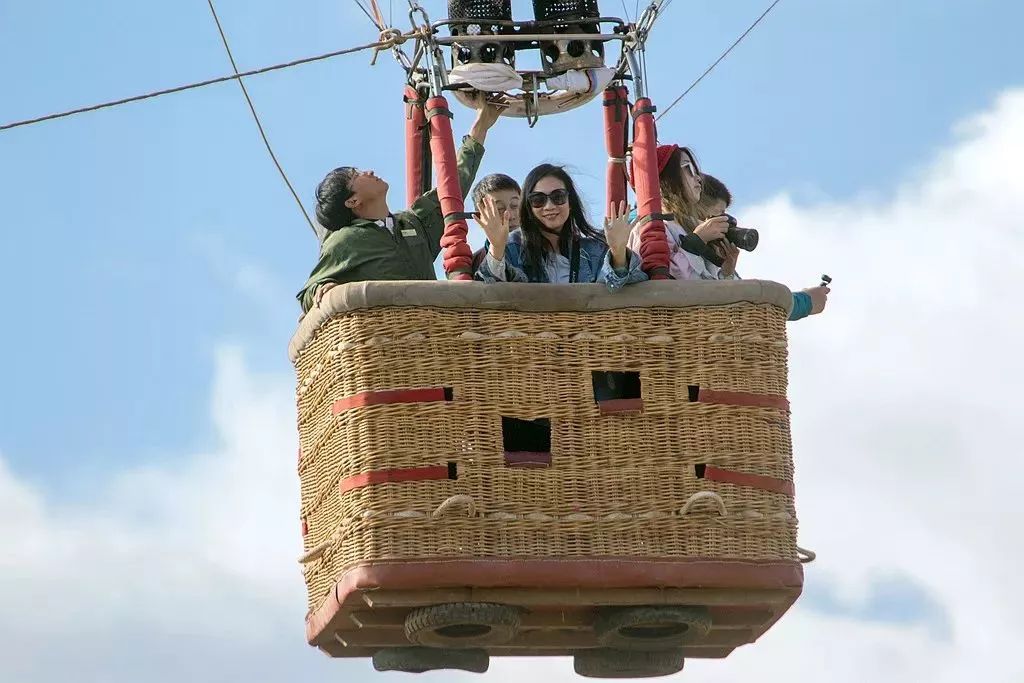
{"points": [[616, 126], [700, 394], [654, 248], [400, 474], [756, 481], [457, 256], [417, 146], [378, 398]]}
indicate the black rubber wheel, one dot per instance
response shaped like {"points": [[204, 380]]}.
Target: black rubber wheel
{"points": [[652, 628], [609, 663], [462, 624], [416, 660]]}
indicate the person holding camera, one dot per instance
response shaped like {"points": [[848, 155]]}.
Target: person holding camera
{"points": [[715, 198], [699, 250], [705, 241]]}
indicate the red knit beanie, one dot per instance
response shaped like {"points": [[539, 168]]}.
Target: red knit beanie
{"points": [[665, 153]]}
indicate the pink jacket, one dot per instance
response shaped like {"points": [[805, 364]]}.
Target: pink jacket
{"points": [[683, 265]]}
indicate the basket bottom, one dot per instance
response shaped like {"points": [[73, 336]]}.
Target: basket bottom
{"points": [[560, 600]]}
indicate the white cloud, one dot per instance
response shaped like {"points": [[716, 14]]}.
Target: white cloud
{"points": [[199, 552], [905, 430]]}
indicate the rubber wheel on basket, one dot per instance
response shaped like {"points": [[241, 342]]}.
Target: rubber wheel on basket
{"points": [[609, 663], [416, 660], [652, 628], [462, 624]]}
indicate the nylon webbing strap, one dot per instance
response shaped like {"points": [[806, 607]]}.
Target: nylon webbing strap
{"points": [[410, 104], [457, 216], [427, 173], [644, 110], [643, 220], [614, 102], [438, 111]]}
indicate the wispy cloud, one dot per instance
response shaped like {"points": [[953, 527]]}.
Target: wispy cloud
{"points": [[905, 433], [255, 285]]}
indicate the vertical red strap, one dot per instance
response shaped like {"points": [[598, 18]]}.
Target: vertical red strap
{"points": [[458, 257], [417, 150], [654, 249], [616, 125]]}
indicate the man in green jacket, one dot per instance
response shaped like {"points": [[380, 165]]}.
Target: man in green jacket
{"points": [[365, 241]]}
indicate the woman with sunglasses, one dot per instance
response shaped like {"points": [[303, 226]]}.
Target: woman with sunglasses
{"points": [[691, 232], [555, 242]]}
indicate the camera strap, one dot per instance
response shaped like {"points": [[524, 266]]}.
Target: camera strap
{"points": [[574, 259], [696, 246]]}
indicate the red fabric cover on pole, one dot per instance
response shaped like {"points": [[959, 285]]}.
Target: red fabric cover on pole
{"points": [[417, 169], [654, 248], [458, 257], [616, 123]]}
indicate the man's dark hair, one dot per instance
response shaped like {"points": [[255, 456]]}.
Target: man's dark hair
{"points": [[331, 195], [495, 182], [535, 245], [713, 188]]}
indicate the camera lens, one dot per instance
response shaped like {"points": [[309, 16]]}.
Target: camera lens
{"points": [[744, 238]]}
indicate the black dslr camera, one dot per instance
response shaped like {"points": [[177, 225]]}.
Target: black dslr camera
{"points": [[744, 238]]}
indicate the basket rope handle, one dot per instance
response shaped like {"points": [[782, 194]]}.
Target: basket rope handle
{"points": [[314, 553], [704, 495], [805, 556], [317, 551], [454, 501]]}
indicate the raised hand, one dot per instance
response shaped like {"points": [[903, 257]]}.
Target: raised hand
{"points": [[495, 225], [489, 112], [616, 232]]}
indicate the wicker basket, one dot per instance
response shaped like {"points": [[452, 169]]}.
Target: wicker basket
{"points": [[411, 398]]}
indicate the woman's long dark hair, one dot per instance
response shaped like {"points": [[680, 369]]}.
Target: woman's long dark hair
{"points": [[673, 195], [535, 244]]}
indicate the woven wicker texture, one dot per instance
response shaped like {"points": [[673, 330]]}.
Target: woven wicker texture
{"points": [[617, 483]]}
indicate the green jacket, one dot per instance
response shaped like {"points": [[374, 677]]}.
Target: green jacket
{"points": [[365, 250]]}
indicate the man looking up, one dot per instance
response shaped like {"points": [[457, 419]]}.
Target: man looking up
{"points": [[366, 241]]}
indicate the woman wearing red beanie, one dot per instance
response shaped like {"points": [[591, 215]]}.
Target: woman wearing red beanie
{"points": [[697, 250]]}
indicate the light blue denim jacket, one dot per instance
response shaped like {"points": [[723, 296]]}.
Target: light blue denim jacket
{"points": [[595, 265]]}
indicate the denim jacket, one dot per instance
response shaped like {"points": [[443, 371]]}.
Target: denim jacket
{"points": [[594, 266]]}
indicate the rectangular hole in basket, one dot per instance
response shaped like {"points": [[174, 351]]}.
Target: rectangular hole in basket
{"points": [[527, 443], [617, 392]]}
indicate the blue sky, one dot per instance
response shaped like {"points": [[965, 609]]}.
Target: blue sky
{"points": [[125, 229], [149, 210], [136, 242]]}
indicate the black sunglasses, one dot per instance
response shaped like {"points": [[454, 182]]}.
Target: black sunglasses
{"points": [[540, 199]]}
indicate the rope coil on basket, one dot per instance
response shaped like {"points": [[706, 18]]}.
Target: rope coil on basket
{"points": [[704, 495], [453, 501]]}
